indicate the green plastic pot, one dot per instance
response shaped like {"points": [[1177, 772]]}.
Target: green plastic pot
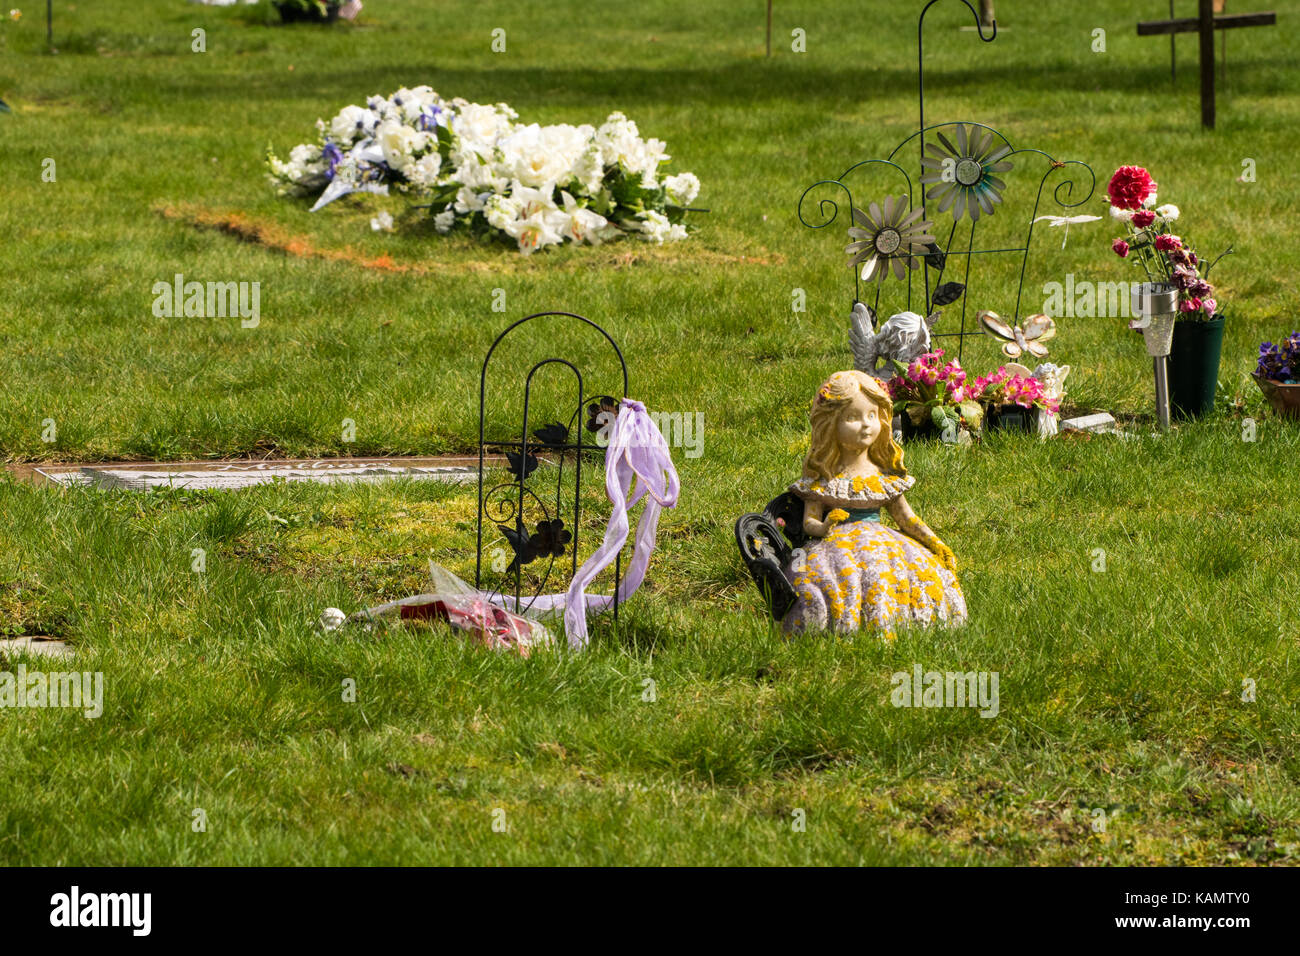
{"points": [[1194, 366], [1010, 418], [293, 14]]}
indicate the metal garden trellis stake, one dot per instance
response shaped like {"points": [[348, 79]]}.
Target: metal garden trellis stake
{"points": [[959, 175], [508, 502]]}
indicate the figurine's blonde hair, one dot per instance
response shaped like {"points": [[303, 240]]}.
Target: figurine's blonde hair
{"points": [[824, 451]]}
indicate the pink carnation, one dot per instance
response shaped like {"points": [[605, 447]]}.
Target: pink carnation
{"points": [[1129, 187]]}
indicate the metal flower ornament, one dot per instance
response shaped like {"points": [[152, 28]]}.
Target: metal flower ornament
{"points": [[888, 238], [962, 177]]}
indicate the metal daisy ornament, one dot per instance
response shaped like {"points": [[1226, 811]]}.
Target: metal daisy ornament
{"points": [[962, 177], [888, 237]]}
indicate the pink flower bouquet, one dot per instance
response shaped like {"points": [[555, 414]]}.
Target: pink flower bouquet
{"points": [[1151, 242]]}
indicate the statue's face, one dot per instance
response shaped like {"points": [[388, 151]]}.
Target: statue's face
{"points": [[859, 424]]}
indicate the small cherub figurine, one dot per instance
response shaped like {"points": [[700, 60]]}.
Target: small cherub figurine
{"points": [[1053, 378], [860, 572]]}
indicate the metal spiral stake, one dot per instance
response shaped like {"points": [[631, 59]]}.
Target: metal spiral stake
{"points": [[1156, 305]]}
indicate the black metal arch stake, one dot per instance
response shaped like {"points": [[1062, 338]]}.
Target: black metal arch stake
{"points": [[523, 494], [920, 58], [1063, 193]]}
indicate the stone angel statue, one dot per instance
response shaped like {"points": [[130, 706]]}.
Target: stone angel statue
{"points": [[904, 337]]}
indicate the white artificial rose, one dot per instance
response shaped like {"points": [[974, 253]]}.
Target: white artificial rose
{"points": [[399, 143], [480, 126], [620, 142], [568, 145], [682, 189], [540, 156]]}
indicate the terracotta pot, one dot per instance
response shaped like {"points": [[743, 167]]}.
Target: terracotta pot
{"points": [[1285, 399]]}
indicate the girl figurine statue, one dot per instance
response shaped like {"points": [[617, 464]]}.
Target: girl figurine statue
{"points": [[860, 572]]}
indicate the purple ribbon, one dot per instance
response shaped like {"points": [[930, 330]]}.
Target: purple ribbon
{"points": [[636, 451]]}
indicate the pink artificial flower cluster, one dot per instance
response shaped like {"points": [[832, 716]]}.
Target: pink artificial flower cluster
{"points": [[1004, 388], [929, 377]]}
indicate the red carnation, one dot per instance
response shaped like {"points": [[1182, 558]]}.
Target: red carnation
{"points": [[1129, 187], [1143, 218], [1168, 243], [1120, 248]]}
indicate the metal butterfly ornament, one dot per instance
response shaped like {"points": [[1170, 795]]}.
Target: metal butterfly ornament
{"points": [[1019, 339]]}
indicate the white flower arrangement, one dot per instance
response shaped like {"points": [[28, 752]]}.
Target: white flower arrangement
{"points": [[484, 172]]}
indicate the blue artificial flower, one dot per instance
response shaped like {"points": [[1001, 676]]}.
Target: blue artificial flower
{"points": [[334, 155]]}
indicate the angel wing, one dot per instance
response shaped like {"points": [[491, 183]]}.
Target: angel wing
{"points": [[862, 337]]}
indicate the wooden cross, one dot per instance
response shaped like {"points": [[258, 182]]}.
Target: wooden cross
{"points": [[1205, 24]]}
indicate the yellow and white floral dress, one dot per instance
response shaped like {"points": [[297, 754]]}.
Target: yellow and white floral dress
{"points": [[864, 573]]}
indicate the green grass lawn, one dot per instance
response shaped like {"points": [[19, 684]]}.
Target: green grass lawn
{"points": [[1121, 690]]}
